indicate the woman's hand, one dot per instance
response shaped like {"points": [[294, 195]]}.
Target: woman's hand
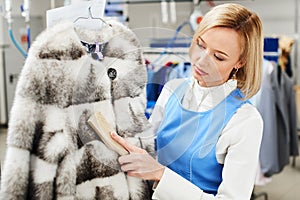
{"points": [[138, 162]]}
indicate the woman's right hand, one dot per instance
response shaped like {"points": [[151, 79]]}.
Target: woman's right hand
{"points": [[138, 163]]}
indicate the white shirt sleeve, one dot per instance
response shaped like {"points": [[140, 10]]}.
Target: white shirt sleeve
{"points": [[237, 148]]}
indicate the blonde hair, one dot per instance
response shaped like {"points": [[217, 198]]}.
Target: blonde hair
{"points": [[249, 27]]}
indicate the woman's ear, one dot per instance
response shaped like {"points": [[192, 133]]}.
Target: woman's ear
{"points": [[240, 64]]}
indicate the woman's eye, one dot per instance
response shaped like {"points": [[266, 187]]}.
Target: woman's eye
{"points": [[200, 46], [219, 58]]}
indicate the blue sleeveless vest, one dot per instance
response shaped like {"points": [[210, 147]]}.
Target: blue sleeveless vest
{"points": [[186, 140]]}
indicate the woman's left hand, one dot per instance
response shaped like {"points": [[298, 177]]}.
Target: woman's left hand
{"points": [[138, 162]]}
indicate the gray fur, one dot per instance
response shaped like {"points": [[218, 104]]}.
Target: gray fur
{"points": [[104, 193], [73, 53], [84, 132], [41, 191], [52, 152], [91, 167]]}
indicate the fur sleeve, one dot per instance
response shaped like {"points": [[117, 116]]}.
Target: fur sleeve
{"points": [[24, 122]]}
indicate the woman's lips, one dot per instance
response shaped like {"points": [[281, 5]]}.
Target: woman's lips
{"points": [[200, 72]]}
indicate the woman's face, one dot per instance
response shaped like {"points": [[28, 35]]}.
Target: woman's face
{"points": [[214, 55]]}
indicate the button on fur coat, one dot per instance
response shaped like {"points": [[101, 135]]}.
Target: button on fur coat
{"points": [[52, 152]]}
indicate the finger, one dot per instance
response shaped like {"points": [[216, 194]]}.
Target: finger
{"points": [[128, 167], [133, 173], [122, 141], [125, 159], [129, 147], [131, 158]]}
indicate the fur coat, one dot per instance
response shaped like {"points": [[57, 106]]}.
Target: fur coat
{"points": [[52, 152]]}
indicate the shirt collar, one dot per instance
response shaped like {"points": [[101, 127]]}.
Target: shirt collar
{"points": [[205, 98]]}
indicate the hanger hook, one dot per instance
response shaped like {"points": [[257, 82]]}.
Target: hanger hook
{"points": [[91, 17]]}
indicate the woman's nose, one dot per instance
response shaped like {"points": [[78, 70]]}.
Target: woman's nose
{"points": [[204, 58]]}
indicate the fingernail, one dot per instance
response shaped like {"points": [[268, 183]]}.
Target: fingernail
{"points": [[112, 133]]}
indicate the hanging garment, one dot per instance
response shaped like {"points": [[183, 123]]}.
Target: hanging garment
{"points": [[264, 100], [186, 142], [52, 152], [155, 83], [284, 60], [277, 105], [286, 113], [157, 79]]}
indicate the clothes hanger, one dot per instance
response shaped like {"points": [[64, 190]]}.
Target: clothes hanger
{"points": [[90, 16], [95, 49]]}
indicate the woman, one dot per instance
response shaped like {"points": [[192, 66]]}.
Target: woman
{"points": [[208, 134]]}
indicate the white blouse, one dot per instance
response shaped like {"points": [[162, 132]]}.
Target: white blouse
{"points": [[237, 148]]}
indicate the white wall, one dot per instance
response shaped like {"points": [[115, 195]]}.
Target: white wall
{"points": [[278, 16]]}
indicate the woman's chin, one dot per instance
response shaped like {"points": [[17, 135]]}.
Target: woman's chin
{"points": [[201, 81], [205, 83]]}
